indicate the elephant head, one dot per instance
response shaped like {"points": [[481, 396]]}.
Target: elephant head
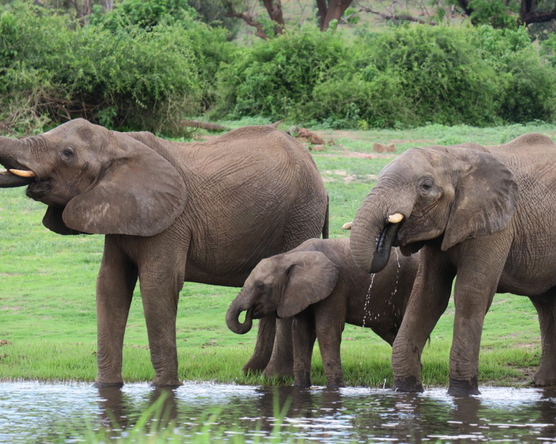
{"points": [[445, 193], [95, 180], [284, 285]]}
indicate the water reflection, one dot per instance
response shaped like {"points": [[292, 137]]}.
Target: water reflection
{"points": [[38, 412]]}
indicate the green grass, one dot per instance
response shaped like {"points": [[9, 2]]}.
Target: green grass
{"points": [[47, 291]]}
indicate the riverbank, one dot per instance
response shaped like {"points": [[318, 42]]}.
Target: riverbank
{"points": [[47, 291]]}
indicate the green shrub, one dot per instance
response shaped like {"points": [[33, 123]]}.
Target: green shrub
{"points": [[527, 80], [134, 77], [442, 78], [276, 78], [404, 76]]}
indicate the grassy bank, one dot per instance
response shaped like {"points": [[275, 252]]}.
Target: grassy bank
{"points": [[47, 291]]}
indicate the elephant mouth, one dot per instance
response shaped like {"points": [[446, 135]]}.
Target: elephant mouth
{"points": [[39, 190], [258, 313]]}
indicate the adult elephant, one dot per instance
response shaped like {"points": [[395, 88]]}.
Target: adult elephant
{"points": [[487, 215], [171, 212]]}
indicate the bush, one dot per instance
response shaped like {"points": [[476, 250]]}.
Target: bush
{"points": [[527, 80], [404, 76], [276, 78], [133, 77], [441, 76]]}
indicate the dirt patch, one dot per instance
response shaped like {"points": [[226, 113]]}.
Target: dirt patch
{"points": [[358, 155], [341, 175]]}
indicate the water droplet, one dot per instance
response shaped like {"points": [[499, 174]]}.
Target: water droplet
{"points": [[367, 299]]}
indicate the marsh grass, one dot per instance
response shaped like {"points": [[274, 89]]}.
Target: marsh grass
{"points": [[47, 291], [154, 425]]}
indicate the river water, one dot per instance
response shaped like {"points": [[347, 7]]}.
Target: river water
{"points": [[39, 412]]}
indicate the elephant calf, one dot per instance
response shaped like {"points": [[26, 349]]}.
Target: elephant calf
{"points": [[319, 284]]}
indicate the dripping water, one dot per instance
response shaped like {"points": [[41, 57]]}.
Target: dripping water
{"points": [[367, 300], [366, 312]]}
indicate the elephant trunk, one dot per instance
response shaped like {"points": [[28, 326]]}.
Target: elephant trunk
{"points": [[376, 226], [232, 317], [11, 152]]}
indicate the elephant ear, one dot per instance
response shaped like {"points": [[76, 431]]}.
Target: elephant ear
{"points": [[54, 222], [141, 193], [485, 198], [311, 277]]}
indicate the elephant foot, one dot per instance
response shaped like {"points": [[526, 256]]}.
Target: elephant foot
{"points": [[464, 388], [409, 384], [170, 383], [278, 371], [545, 377], [103, 384], [255, 365], [279, 368]]}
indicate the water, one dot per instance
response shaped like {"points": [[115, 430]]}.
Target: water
{"points": [[37, 412], [366, 312]]}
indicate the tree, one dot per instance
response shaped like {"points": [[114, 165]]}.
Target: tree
{"points": [[331, 10], [497, 13], [326, 12]]}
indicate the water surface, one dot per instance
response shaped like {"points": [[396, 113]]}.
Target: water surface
{"points": [[39, 412]]}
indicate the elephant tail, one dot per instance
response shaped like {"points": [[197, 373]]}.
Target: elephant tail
{"points": [[325, 227]]}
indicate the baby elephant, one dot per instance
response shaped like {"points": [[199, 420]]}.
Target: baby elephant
{"points": [[319, 284]]}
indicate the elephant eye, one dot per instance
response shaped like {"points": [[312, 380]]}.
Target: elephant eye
{"points": [[426, 186], [259, 286], [67, 153]]}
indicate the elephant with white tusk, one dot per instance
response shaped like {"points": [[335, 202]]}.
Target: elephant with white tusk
{"points": [[484, 214], [171, 212]]}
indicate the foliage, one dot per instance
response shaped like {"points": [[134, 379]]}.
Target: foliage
{"points": [[527, 80], [405, 76], [497, 13], [147, 65], [144, 73], [145, 14], [275, 78]]}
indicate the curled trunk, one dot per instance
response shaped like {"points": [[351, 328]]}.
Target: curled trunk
{"points": [[232, 318]]}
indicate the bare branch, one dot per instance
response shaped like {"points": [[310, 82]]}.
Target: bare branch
{"points": [[405, 17], [538, 17], [247, 18]]}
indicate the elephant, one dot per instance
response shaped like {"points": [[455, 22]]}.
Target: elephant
{"points": [[319, 285], [171, 212], [484, 214]]}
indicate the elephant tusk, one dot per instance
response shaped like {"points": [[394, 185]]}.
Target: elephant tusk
{"points": [[22, 173], [395, 218], [4, 172], [347, 226]]}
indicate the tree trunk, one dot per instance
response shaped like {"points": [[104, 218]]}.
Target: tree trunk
{"points": [[334, 10], [274, 9]]}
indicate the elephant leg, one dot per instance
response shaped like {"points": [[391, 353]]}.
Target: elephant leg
{"points": [[477, 279], [115, 284], [429, 299], [329, 329], [546, 309], [161, 277], [160, 303], [303, 332], [281, 361], [263, 347]]}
